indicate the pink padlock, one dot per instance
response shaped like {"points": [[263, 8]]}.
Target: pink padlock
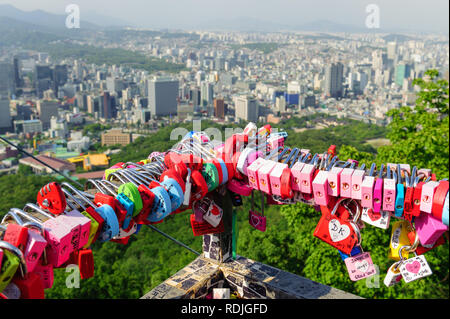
{"points": [[428, 190], [239, 187], [320, 188], [429, 229], [306, 175], [275, 142], [296, 176], [389, 191], [45, 271], [345, 185], [252, 172], [334, 180], [275, 178], [35, 247], [85, 225], [367, 188], [264, 176], [360, 266], [357, 179], [378, 191]]}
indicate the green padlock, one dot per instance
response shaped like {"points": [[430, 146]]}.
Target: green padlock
{"points": [[10, 263], [211, 176], [109, 171], [131, 191]]}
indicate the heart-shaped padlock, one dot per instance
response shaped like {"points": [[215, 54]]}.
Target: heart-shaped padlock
{"points": [[335, 230]]}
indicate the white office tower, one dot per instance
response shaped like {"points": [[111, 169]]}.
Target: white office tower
{"points": [[392, 50], [294, 87], [163, 96], [280, 104], [246, 108], [334, 79], [207, 93], [5, 115]]}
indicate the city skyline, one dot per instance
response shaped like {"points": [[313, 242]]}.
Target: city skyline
{"points": [[400, 16]]}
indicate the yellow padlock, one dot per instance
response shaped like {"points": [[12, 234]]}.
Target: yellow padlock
{"points": [[399, 238], [146, 161]]}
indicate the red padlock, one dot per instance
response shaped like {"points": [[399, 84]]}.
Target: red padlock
{"points": [[31, 286], [420, 250], [16, 235], [335, 230], [147, 201], [52, 199], [200, 229]]}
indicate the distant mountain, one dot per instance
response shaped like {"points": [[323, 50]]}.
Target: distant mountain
{"points": [[41, 18], [330, 26]]}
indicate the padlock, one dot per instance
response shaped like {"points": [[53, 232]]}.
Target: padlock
{"points": [[45, 271], [30, 285], [264, 176], [320, 181], [110, 227], [420, 250], [96, 225], [147, 201], [162, 206], [128, 205], [200, 229], [200, 208], [233, 145], [10, 263], [409, 195], [393, 275], [175, 192], [306, 175], [57, 234], [85, 263], [257, 220], [389, 190], [200, 187], [334, 178], [275, 178], [428, 190], [357, 180], [378, 191], [345, 185], [252, 172], [415, 268], [236, 199], [337, 231], [439, 199], [400, 194], [36, 242], [51, 198], [242, 162], [10, 292], [74, 217], [239, 187], [251, 129], [355, 251], [399, 238], [126, 233], [380, 219], [211, 176], [296, 180], [16, 235], [360, 266], [417, 196], [445, 211], [188, 186], [214, 215], [367, 187], [131, 191], [225, 176], [429, 228]]}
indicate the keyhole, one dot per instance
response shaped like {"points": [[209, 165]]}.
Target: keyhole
{"points": [[388, 199], [295, 180], [305, 183], [356, 187], [416, 202], [332, 184], [276, 185], [319, 194], [426, 199], [366, 196], [345, 186], [376, 200]]}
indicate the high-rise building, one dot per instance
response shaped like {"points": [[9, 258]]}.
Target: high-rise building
{"points": [[392, 51], [219, 108], [59, 77], [108, 106], [93, 104], [47, 109], [402, 71], [42, 79], [17, 78], [207, 93], [7, 85], [195, 97], [162, 96], [334, 79], [246, 108], [5, 115]]}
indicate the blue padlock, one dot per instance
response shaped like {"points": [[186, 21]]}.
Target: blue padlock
{"points": [[110, 226], [400, 191], [355, 251], [224, 171], [139, 226], [129, 207], [162, 206], [445, 212], [175, 192]]}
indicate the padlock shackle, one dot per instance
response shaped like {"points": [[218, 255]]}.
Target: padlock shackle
{"points": [[16, 251], [14, 216], [26, 215], [38, 209]]}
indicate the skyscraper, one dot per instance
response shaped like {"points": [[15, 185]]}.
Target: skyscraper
{"points": [[47, 109], [392, 51], [7, 86], [334, 79], [219, 108], [59, 77], [162, 96], [5, 115], [402, 71], [207, 93], [246, 108], [42, 79]]}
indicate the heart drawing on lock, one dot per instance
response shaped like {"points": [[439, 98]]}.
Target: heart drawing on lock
{"points": [[255, 220], [413, 267], [373, 216], [337, 231], [362, 266]]}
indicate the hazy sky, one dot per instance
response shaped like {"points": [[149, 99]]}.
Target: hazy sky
{"points": [[426, 15]]}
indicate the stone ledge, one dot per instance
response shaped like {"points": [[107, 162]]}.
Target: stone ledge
{"points": [[250, 279]]}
